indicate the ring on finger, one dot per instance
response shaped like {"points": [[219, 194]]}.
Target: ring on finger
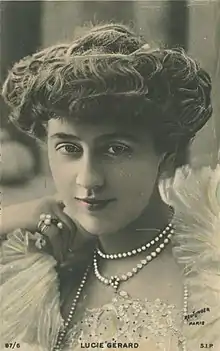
{"points": [[45, 222]]}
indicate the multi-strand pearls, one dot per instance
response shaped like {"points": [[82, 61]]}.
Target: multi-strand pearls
{"points": [[114, 281], [167, 232]]}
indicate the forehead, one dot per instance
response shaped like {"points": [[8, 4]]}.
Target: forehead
{"points": [[90, 131]]}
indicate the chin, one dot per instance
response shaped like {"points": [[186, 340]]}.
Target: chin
{"points": [[97, 227]]}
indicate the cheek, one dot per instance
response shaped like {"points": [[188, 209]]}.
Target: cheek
{"points": [[136, 181], [62, 172]]}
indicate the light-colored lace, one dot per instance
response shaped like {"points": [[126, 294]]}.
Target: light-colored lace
{"points": [[125, 320]]}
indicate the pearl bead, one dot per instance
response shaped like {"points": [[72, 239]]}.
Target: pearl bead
{"points": [[143, 248], [148, 245], [166, 241], [134, 252], [162, 246], [129, 274], [158, 250], [139, 265], [152, 242], [124, 254], [153, 254], [47, 221], [138, 250], [60, 225], [149, 258], [144, 262]]}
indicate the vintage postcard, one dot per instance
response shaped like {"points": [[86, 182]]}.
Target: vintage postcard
{"points": [[110, 175]]}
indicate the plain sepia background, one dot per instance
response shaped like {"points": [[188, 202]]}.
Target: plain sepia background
{"points": [[27, 26]]}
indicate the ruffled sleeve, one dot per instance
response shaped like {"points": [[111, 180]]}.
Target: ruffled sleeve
{"points": [[195, 196], [29, 308]]}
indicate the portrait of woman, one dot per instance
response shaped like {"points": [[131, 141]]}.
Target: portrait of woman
{"points": [[127, 254]]}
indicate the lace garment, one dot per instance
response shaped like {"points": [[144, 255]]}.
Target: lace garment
{"points": [[127, 320]]}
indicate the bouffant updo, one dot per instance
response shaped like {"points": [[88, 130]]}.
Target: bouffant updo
{"points": [[111, 73]]}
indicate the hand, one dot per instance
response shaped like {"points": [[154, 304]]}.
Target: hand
{"points": [[27, 216], [65, 244], [58, 240]]}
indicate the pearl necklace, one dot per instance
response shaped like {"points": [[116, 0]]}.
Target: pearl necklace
{"points": [[115, 281], [167, 230], [60, 342]]}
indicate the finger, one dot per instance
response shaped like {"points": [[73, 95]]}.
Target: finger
{"points": [[58, 211], [69, 229], [55, 240]]}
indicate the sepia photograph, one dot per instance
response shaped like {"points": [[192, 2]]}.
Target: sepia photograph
{"points": [[110, 175]]}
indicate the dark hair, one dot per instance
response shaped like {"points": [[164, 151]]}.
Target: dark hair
{"points": [[110, 65]]}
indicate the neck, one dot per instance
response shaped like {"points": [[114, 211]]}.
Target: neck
{"points": [[153, 220]]}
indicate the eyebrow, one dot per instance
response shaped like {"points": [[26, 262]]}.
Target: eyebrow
{"points": [[64, 136], [68, 136]]}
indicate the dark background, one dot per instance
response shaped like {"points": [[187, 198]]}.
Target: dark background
{"points": [[30, 25]]}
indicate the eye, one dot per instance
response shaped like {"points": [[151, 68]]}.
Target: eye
{"points": [[69, 149], [118, 150]]}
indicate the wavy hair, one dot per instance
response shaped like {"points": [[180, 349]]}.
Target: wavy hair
{"points": [[163, 89]]}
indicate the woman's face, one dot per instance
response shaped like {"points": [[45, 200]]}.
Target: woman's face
{"points": [[104, 173]]}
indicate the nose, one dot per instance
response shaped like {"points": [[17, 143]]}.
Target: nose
{"points": [[90, 175]]}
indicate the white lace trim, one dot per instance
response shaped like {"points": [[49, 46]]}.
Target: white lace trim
{"points": [[29, 293]]}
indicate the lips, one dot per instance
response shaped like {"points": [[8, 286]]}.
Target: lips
{"points": [[93, 203]]}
